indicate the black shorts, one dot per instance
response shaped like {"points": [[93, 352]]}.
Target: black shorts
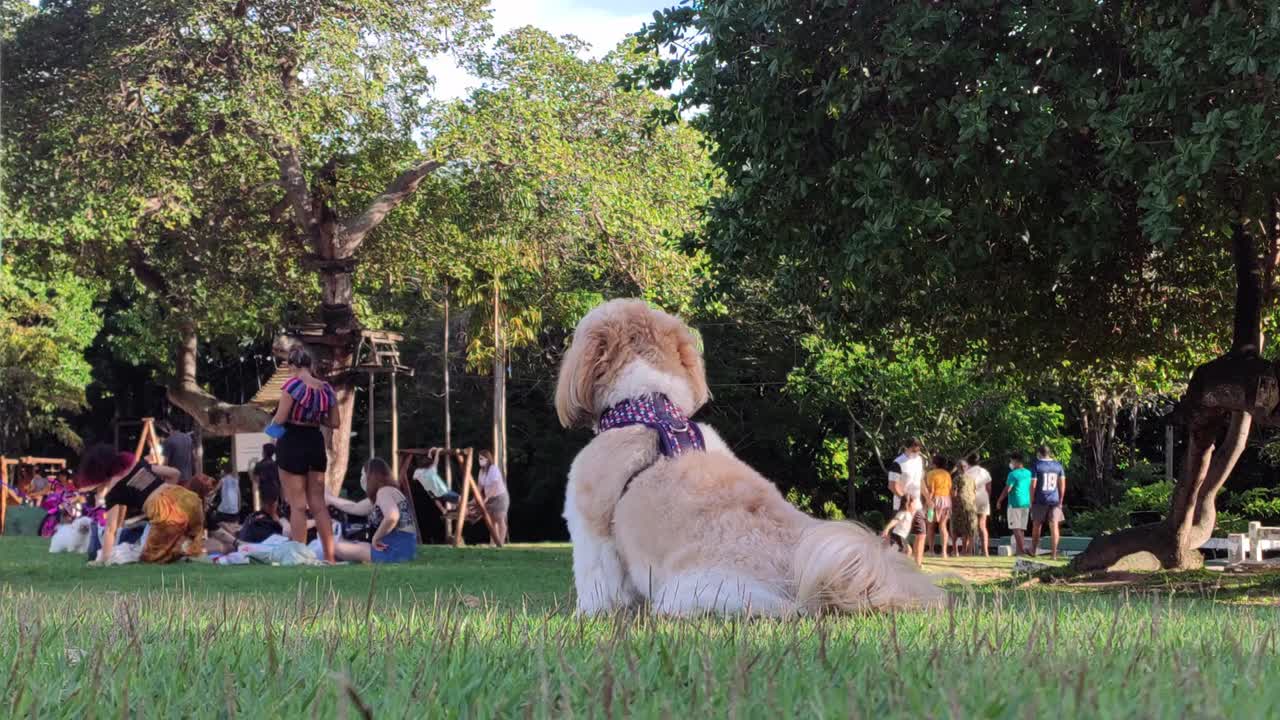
{"points": [[301, 450], [918, 523]]}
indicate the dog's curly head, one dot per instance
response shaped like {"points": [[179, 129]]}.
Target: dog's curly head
{"points": [[622, 349]]}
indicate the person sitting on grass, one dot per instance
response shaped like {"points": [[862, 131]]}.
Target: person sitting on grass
{"points": [[396, 537], [429, 478], [130, 486]]}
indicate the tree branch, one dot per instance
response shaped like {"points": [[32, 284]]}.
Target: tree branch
{"points": [[353, 231], [295, 186], [151, 278], [214, 416]]}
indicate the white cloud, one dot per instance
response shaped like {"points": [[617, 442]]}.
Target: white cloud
{"points": [[600, 23]]}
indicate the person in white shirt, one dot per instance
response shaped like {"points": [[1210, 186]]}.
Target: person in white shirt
{"points": [[982, 500], [903, 524], [909, 477], [906, 478], [229, 496], [496, 499]]}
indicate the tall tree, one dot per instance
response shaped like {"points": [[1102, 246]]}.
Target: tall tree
{"points": [[1067, 179], [204, 151]]}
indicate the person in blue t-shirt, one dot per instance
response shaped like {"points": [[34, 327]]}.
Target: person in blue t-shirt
{"points": [[1049, 487]]}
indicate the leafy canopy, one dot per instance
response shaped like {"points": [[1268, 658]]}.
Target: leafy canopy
{"points": [[45, 328], [1056, 177]]}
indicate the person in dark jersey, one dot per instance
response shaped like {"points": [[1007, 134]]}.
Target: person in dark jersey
{"points": [[1049, 487]]}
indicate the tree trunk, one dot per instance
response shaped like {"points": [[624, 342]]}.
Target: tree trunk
{"points": [[1098, 423], [852, 510], [1218, 411], [214, 416], [448, 418], [338, 440], [499, 387]]}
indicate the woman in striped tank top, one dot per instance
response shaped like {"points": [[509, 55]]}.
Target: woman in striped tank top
{"points": [[306, 404]]}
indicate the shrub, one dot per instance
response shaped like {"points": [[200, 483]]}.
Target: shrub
{"points": [[832, 511], [1102, 520], [1152, 498]]}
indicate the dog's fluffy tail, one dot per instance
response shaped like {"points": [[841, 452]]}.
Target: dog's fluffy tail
{"points": [[844, 567]]}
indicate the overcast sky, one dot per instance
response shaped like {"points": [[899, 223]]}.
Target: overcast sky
{"points": [[602, 23]]}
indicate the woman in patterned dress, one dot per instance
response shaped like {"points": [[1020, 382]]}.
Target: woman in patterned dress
{"points": [[964, 512]]}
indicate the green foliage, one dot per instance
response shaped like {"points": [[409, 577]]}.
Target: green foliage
{"points": [[1259, 504], [904, 387], [1099, 521], [45, 327], [1149, 498], [1056, 177], [141, 145], [572, 197]]}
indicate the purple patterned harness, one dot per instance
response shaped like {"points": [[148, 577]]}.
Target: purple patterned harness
{"points": [[676, 433]]}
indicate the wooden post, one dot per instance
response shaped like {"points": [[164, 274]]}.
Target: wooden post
{"points": [[148, 437], [1168, 453], [395, 432], [448, 420], [4, 492], [372, 450], [197, 449], [404, 478], [499, 446], [466, 496], [495, 446]]}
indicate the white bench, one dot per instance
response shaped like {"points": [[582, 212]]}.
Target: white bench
{"points": [[1249, 547]]}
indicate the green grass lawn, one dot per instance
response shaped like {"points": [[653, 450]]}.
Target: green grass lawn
{"points": [[480, 633]]}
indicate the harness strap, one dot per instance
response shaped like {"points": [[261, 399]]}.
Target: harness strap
{"points": [[676, 433]]}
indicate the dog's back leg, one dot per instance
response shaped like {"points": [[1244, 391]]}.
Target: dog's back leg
{"points": [[710, 591]]}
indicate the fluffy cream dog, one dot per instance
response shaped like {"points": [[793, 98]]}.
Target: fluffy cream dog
{"points": [[697, 531]]}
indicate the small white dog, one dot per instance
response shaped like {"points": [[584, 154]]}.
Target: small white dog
{"points": [[72, 537], [659, 509]]}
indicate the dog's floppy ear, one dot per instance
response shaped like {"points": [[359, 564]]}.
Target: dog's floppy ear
{"points": [[579, 370], [691, 359]]}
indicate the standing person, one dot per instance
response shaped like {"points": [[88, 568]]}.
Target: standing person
{"points": [[178, 451], [496, 499], [903, 523], [938, 488], [268, 478], [906, 479], [131, 486], [306, 403], [982, 501], [964, 511], [906, 475], [1017, 489], [1050, 488], [395, 538], [228, 496]]}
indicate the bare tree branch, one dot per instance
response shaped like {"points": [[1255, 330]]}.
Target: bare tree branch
{"points": [[295, 186], [354, 230]]}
